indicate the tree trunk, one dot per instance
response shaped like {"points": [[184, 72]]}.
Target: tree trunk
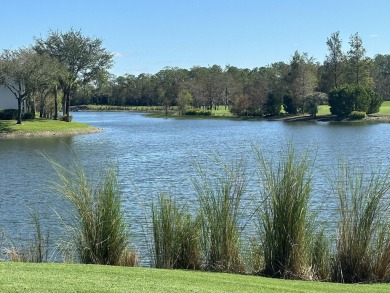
{"points": [[19, 117], [55, 103], [42, 106], [67, 107], [64, 104]]}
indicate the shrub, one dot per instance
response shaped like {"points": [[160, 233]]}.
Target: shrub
{"points": [[289, 105], [375, 102], [65, 118], [219, 198], [198, 112], [98, 228], [191, 112], [272, 105], [356, 115], [348, 98], [28, 115], [176, 236], [8, 114], [311, 105], [363, 242]]}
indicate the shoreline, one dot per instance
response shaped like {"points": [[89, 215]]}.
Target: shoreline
{"points": [[330, 118], [298, 118], [37, 134]]}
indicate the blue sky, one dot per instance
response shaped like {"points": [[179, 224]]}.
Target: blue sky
{"points": [[147, 35]]}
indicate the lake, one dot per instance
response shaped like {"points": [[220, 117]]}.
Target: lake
{"points": [[158, 155]]}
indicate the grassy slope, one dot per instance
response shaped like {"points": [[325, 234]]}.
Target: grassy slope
{"points": [[221, 111], [385, 108], [39, 125], [87, 278]]}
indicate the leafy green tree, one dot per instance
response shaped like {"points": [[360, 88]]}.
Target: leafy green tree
{"points": [[240, 105], [302, 79], [348, 98], [381, 75], [333, 69], [183, 101], [359, 64], [272, 105], [311, 105], [24, 72], [83, 57], [289, 104], [335, 57]]}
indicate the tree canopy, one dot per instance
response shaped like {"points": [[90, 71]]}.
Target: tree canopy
{"points": [[83, 77], [82, 56]]}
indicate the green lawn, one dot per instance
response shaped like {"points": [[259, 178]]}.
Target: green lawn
{"points": [[323, 110], [43, 125], [385, 108], [27, 277]]}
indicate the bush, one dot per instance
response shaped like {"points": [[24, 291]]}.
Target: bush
{"points": [[348, 98], [8, 114], [356, 115], [272, 105], [198, 112], [65, 118], [311, 105], [28, 116], [289, 105], [176, 236], [191, 112]]}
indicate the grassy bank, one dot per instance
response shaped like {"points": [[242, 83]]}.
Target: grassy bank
{"points": [[42, 127], [221, 111], [15, 277]]}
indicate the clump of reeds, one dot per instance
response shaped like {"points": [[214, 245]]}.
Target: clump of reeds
{"points": [[363, 242], [286, 229], [176, 236], [128, 259], [219, 197], [37, 250], [98, 226]]}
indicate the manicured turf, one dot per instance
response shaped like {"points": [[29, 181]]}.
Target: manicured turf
{"points": [[26, 277], [43, 125], [323, 110], [385, 108]]}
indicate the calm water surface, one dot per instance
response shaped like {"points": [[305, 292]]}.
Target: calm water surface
{"points": [[157, 155]]}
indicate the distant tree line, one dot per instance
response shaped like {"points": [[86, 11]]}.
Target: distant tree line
{"points": [[73, 68], [299, 86]]}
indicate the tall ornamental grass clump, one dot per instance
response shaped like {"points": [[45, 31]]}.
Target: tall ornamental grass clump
{"points": [[97, 223], [220, 197], [176, 236], [285, 222], [363, 242]]}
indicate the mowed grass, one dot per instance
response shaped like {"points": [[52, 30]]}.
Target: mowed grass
{"points": [[43, 125], [385, 108], [49, 277], [323, 110]]}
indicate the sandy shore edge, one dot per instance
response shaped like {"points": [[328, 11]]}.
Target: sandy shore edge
{"points": [[20, 134]]}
